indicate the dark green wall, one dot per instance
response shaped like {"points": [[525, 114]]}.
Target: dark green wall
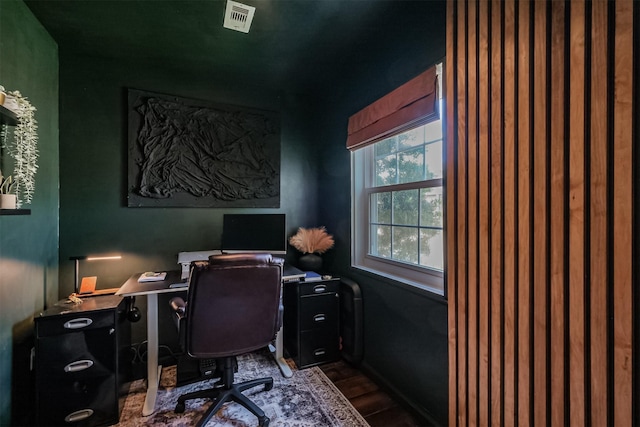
{"points": [[93, 170], [28, 244], [405, 329]]}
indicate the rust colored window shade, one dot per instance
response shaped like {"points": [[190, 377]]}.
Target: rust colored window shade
{"points": [[413, 103]]}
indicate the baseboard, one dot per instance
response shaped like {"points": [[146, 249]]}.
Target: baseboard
{"points": [[402, 399]]}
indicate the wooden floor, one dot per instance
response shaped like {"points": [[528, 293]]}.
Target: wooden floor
{"points": [[374, 404]]}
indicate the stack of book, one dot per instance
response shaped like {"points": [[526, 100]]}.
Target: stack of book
{"points": [[312, 276]]}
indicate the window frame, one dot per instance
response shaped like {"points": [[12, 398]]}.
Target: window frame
{"points": [[363, 173]]}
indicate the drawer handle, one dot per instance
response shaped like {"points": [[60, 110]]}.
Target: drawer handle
{"points": [[319, 352], [318, 289], [81, 322], [79, 365], [319, 317], [80, 415]]}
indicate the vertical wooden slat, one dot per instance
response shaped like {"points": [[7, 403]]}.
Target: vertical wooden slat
{"points": [[452, 216], [523, 129], [576, 217], [483, 210], [510, 209], [463, 248], [473, 383], [622, 212], [495, 219], [598, 213], [540, 225], [557, 243]]}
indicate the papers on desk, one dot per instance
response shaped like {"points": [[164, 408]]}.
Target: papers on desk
{"points": [[152, 276]]}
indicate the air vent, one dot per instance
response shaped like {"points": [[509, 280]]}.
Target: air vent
{"points": [[238, 16]]}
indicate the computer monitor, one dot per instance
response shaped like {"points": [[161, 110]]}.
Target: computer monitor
{"points": [[254, 233]]}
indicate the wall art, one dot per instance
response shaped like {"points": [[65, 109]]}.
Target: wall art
{"points": [[192, 153]]}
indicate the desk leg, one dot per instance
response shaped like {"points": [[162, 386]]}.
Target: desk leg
{"points": [[279, 356], [153, 370]]}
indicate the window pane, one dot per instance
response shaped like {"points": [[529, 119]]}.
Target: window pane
{"points": [[411, 165], [412, 156], [434, 159], [432, 249], [405, 207], [380, 241], [386, 170], [405, 244], [381, 208], [433, 131], [431, 207], [386, 147], [412, 138]]}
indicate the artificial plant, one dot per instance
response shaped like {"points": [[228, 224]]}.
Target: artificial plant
{"points": [[23, 147]]}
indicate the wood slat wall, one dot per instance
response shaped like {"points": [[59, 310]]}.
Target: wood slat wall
{"points": [[542, 187]]}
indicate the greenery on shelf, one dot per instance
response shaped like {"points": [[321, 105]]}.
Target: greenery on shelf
{"points": [[22, 147]]}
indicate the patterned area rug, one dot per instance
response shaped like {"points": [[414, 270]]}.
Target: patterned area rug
{"points": [[308, 399]]}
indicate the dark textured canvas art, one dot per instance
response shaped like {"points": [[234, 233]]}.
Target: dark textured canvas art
{"points": [[190, 153]]}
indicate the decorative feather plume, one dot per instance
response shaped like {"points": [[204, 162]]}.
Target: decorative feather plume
{"points": [[312, 240]]}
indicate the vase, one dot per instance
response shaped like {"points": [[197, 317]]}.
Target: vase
{"points": [[7, 201], [10, 103], [310, 262]]}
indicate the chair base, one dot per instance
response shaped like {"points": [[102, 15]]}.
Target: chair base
{"points": [[226, 391]]}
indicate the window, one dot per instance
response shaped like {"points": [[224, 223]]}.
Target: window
{"points": [[398, 206]]}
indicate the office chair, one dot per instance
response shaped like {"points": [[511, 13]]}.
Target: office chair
{"points": [[233, 307]]}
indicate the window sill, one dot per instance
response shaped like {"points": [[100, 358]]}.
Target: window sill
{"points": [[411, 286]]}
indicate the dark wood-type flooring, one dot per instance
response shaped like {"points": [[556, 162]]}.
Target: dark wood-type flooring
{"points": [[377, 407]]}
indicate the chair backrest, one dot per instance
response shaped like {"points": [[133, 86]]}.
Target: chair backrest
{"points": [[233, 304]]}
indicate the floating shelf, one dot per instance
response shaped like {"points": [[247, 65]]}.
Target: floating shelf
{"points": [[8, 117], [15, 211]]}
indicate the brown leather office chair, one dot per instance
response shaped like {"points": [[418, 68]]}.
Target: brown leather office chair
{"points": [[233, 307]]}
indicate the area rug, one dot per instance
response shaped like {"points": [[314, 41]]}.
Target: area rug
{"points": [[307, 399]]}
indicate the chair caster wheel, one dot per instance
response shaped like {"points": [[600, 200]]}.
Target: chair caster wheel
{"points": [[179, 408], [268, 386], [263, 422]]}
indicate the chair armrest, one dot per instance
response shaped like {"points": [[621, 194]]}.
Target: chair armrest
{"points": [[178, 306]]}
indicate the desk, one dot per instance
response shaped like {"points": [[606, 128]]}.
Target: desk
{"points": [[151, 289]]}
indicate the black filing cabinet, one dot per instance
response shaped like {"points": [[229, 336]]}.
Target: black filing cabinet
{"points": [[81, 362], [312, 322]]}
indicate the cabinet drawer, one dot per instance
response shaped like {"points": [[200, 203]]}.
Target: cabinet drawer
{"points": [[321, 311], [56, 325], [316, 288], [76, 355], [79, 403], [318, 346]]}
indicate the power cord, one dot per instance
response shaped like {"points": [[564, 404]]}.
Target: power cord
{"points": [[139, 351]]}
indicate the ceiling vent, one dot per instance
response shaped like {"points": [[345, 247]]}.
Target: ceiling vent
{"points": [[238, 16]]}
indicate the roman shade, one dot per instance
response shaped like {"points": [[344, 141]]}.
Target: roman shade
{"points": [[410, 104]]}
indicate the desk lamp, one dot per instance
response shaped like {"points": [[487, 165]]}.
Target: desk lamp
{"points": [[77, 260]]}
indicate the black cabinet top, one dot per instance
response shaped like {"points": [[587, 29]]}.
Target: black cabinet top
{"points": [[95, 303]]}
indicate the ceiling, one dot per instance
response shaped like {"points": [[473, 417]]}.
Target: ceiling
{"points": [[301, 46]]}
